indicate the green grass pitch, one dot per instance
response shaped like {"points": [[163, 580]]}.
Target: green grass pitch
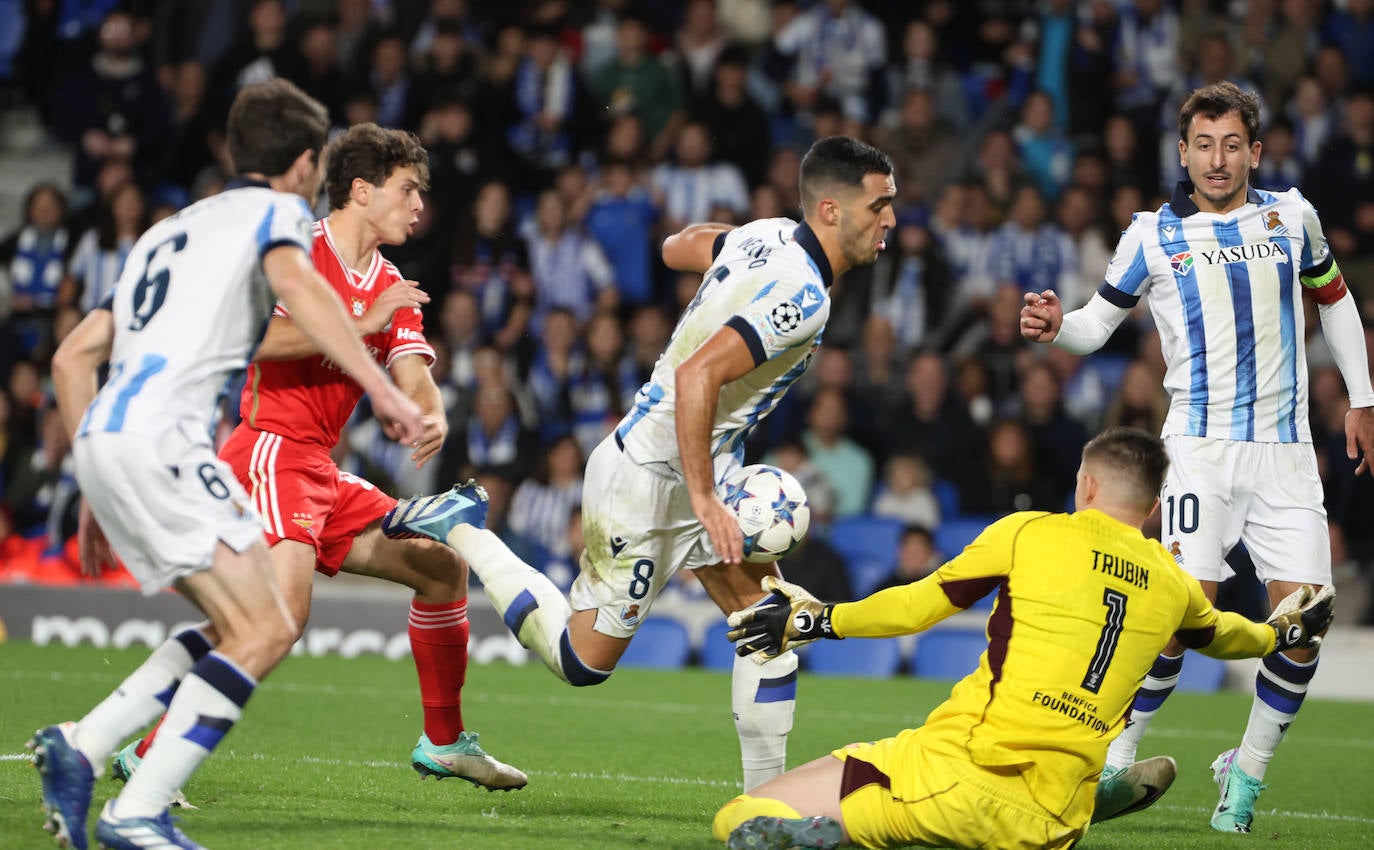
{"points": [[321, 759]]}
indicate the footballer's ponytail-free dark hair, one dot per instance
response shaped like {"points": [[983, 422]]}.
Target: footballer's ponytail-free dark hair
{"points": [[1136, 457], [838, 161], [271, 124]]}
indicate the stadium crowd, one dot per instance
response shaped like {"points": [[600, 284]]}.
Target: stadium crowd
{"points": [[566, 139]]}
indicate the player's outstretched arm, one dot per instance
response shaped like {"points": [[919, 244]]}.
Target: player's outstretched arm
{"points": [[75, 363], [693, 248], [320, 315]]}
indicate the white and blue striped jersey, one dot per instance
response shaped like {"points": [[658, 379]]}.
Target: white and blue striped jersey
{"points": [[770, 283], [1226, 295], [191, 307]]}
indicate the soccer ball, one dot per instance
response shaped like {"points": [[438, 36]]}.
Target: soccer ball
{"points": [[771, 508]]}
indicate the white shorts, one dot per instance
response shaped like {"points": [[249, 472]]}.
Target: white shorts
{"points": [[639, 528], [164, 502], [1265, 495]]}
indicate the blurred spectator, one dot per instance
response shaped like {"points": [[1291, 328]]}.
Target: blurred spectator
{"points": [[695, 182], [495, 437], [1030, 252], [568, 267], [736, 121], [262, 52], [921, 68], [878, 364], [491, 262], [317, 69], [931, 421], [101, 252], [33, 260], [638, 83], [905, 492], [460, 159], [1281, 37], [391, 82], [1079, 220], [783, 167], [43, 480], [1280, 167], [1058, 438], [1139, 402], [926, 150], [838, 49], [699, 42], [1313, 121], [998, 168], [1350, 26], [1343, 181], [1042, 147], [563, 563], [543, 502], [911, 284], [543, 89], [1009, 479], [443, 17], [818, 567], [605, 387], [111, 108], [556, 360], [446, 67], [1128, 162], [1146, 54], [648, 334], [916, 558], [621, 220]]}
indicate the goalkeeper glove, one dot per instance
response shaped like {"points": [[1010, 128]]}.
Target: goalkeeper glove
{"points": [[790, 617], [1300, 616]]}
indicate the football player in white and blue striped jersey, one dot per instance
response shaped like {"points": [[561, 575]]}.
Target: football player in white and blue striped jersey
{"points": [[186, 314], [649, 501], [1224, 267]]}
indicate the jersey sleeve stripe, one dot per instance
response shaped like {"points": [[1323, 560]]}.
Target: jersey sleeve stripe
{"points": [[1116, 297], [746, 331], [718, 243], [421, 349]]}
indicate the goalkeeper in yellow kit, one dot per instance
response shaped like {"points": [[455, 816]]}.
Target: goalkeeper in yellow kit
{"points": [[1012, 759]]}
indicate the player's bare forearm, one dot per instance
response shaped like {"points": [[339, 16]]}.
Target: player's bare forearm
{"points": [[690, 249], [697, 393], [75, 363], [412, 375], [284, 341]]}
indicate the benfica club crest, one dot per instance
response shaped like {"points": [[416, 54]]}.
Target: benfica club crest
{"points": [[359, 308]]}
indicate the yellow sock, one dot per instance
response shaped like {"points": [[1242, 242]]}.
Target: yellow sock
{"points": [[744, 808]]}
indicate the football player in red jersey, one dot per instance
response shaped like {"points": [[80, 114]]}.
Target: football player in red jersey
{"points": [[295, 403]]}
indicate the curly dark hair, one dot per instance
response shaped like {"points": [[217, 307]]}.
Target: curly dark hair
{"points": [[372, 153], [1217, 100]]}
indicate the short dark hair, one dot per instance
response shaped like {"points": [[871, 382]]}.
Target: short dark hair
{"points": [[1217, 100], [372, 153], [271, 124], [839, 160], [1136, 459]]}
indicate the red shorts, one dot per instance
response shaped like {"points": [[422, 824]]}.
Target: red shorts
{"points": [[302, 495]]}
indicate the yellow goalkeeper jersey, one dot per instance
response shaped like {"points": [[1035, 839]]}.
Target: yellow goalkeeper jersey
{"points": [[1085, 604]]}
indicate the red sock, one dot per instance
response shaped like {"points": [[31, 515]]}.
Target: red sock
{"points": [[147, 741], [439, 644]]}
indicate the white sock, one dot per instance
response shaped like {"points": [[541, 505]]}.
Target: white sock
{"points": [[764, 698], [1280, 686], [529, 604], [1158, 684], [140, 698], [206, 706]]}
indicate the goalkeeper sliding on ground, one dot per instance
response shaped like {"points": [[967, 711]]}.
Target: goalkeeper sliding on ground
{"points": [[1012, 759]]}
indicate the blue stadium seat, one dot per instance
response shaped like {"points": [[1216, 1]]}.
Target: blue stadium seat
{"points": [[946, 496], [877, 658], [866, 538], [865, 573], [956, 532], [659, 642], [1201, 674], [947, 653], [717, 653]]}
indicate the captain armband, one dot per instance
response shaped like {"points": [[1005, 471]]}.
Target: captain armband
{"points": [[1324, 282]]}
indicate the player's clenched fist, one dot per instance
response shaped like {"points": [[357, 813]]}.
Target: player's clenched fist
{"points": [[398, 296], [1041, 316], [789, 618], [1302, 616]]}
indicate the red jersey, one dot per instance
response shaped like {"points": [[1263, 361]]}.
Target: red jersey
{"points": [[309, 400]]}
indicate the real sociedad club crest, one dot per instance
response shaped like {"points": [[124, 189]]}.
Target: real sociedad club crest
{"points": [[1182, 263]]}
